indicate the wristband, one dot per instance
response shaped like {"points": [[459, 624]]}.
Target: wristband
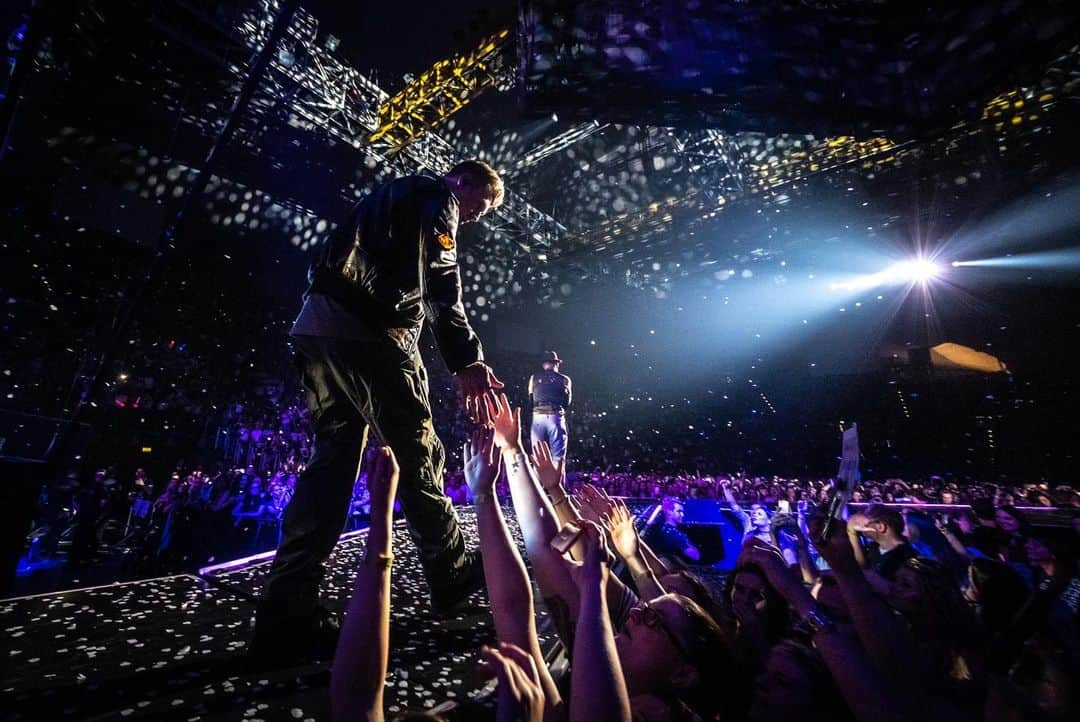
{"points": [[381, 562]]}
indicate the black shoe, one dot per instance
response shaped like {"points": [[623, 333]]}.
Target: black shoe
{"points": [[292, 643], [468, 578]]}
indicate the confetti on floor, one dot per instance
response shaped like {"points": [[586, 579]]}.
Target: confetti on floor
{"points": [[173, 648]]}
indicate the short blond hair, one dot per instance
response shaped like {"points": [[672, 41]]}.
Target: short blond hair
{"points": [[479, 173]]}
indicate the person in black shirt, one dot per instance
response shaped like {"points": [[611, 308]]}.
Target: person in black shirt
{"points": [[885, 527], [551, 394], [667, 539], [389, 267]]}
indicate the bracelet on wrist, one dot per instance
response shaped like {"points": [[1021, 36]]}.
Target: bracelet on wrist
{"points": [[379, 561]]}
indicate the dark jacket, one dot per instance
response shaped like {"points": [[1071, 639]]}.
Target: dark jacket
{"points": [[394, 261]]}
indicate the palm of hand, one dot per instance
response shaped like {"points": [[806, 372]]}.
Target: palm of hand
{"points": [[588, 513], [624, 538], [549, 475]]}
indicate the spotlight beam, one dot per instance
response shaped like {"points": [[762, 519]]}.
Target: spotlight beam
{"points": [[918, 270]]}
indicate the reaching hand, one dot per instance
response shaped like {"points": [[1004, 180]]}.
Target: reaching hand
{"points": [[777, 572], [382, 478], [595, 503], [551, 475], [482, 462], [521, 696], [506, 421], [474, 381], [593, 569], [620, 527], [837, 549]]}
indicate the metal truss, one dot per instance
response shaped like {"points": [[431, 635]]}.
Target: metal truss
{"points": [[324, 92], [327, 94], [559, 142], [439, 92], [715, 158]]}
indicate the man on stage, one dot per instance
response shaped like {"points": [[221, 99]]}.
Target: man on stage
{"points": [[389, 266], [551, 393]]}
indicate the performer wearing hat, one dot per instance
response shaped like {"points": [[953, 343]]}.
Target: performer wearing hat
{"points": [[551, 393]]}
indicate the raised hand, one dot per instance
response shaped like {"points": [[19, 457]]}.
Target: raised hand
{"points": [[521, 696], [620, 528], [837, 548], [551, 474], [593, 568], [482, 462], [780, 576], [595, 503], [506, 421], [382, 479]]}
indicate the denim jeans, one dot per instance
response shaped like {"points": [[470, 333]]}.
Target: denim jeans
{"points": [[552, 429]]}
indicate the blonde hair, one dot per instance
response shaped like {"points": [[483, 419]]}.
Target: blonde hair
{"points": [[479, 173]]}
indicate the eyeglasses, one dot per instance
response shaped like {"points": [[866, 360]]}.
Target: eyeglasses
{"points": [[654, 620]]}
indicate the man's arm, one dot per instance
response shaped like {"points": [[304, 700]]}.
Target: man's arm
{"points": [[440, 284], [569, 390]]}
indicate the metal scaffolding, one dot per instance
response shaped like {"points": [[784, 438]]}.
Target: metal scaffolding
{"points": [[326, 93], [439, 92]]}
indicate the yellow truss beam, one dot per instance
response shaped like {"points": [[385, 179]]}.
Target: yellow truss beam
{"points": [[439, 92]]}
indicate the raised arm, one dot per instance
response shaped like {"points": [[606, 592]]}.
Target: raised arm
{"points": [[624, 537], [507, 581], [871, 696], [359, 670], [552, 478], [884, 635], [743, 517], [535, 514], [596, 675], [537, 518]]}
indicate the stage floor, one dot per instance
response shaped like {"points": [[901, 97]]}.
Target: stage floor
{"points": [[173, 647]]}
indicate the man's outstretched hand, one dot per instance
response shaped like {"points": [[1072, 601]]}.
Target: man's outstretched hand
{"points": [[474, 381]]}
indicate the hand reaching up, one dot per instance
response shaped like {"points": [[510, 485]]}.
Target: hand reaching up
{"points": [[482, 462], [837, 549], [619, 525], [551, 474], [382, 479], [506, 421], [521, 695], [595, 503], [593, 569]]}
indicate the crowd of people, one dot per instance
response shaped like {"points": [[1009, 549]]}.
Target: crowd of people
{"points": [[876, 617]]}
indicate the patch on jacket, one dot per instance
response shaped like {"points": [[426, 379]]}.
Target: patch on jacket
{"points": [[446, 241]]}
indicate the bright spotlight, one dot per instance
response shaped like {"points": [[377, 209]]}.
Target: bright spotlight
{"points": [[920, 270]]}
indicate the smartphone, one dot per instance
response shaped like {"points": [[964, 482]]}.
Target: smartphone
{"points": [[783, 506], [566, 537]]}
